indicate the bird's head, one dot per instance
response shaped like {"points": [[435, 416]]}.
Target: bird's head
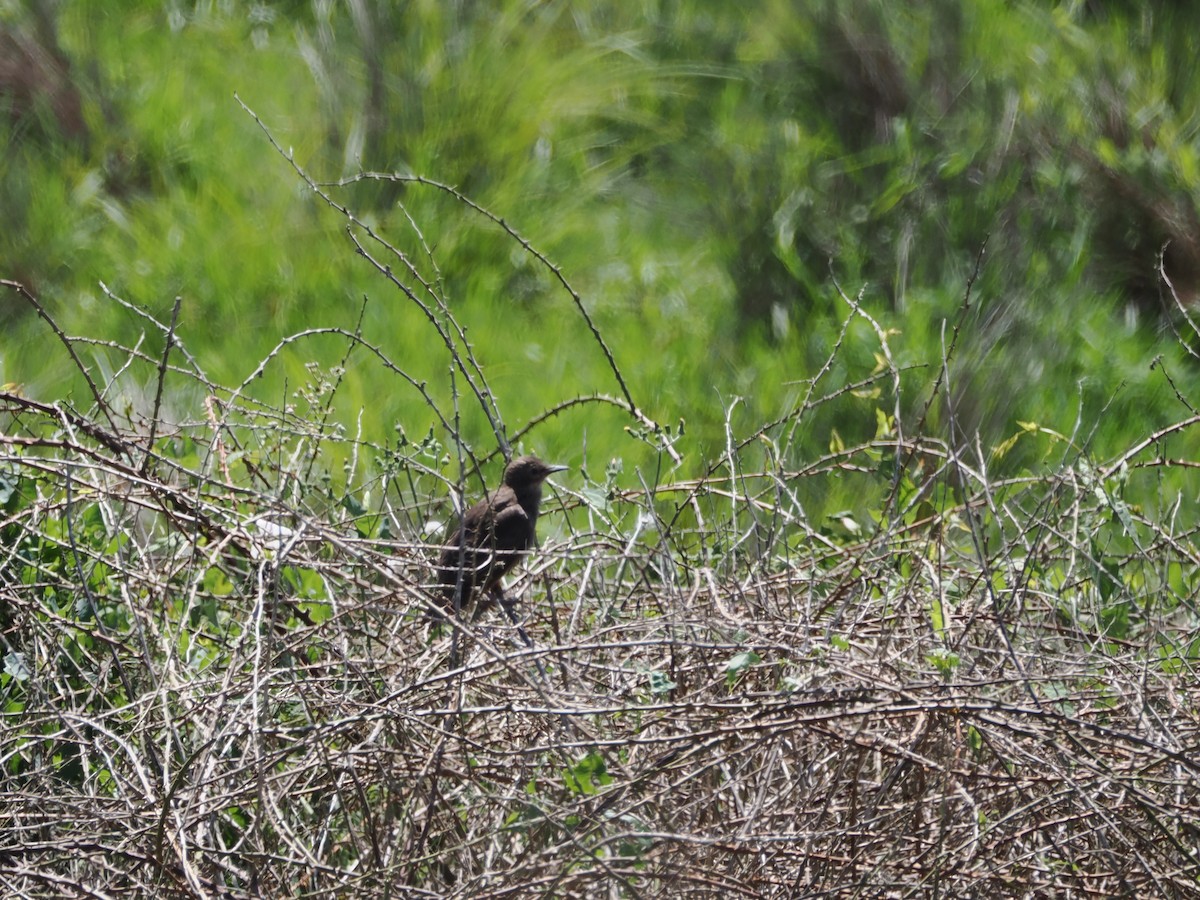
{"points": [[527, 472]]}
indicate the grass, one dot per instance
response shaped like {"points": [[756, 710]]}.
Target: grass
{"points": [[697, 177]]}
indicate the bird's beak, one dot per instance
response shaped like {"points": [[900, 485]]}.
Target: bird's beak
{"points": [[553, 469]]}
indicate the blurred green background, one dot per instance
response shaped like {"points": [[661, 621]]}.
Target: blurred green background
{"points": [[702, 172]]}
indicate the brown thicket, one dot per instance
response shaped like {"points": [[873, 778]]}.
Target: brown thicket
{"points": [[990, 692]]}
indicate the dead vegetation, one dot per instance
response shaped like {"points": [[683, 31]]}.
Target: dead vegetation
{"points": [[216, 680]]}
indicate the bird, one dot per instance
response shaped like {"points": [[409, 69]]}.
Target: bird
{"points": [[491, 538]]}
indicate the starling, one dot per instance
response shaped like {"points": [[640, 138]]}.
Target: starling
{"points": [[492, 537]]}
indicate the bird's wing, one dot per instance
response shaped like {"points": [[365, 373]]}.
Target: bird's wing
{"points": [[510, 523], [473, 529]]}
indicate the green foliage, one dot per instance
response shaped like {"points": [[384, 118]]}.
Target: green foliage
{"points": [[694, 172], [738, 665], [660, 683], [587, 775]]}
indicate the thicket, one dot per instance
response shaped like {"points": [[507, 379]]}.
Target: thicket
{"points": [[218, 680]]}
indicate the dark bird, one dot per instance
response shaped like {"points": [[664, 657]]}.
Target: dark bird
{"points": [[492, 537]]}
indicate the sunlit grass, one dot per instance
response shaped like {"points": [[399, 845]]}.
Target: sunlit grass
{"points": [[699, 179]]}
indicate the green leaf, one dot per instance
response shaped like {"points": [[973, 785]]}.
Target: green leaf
{"points": [[945, 661], [588, 775], [1114, 620], [217, 583], [14, 665], [739, 664], [660, 683], [936, 616], [974, 739], [596, 498], [304, 583]]}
